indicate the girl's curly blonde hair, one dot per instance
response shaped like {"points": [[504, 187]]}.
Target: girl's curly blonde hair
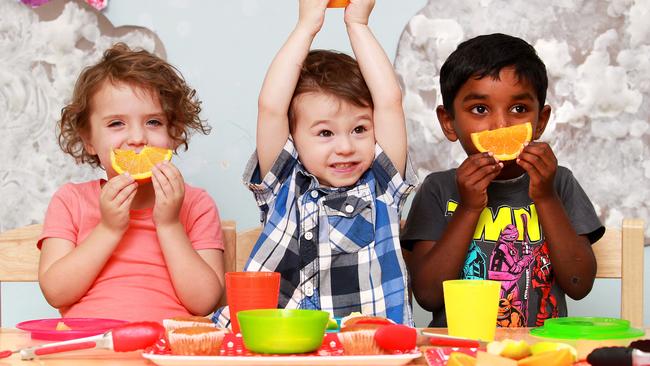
{"points": [[139, 68]]}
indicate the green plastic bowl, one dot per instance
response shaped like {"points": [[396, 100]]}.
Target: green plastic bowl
{"points": [[282, 330]]}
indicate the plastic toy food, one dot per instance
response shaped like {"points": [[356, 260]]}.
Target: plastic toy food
{"points": [[139, 164], [509, 348], [506, 142], [562, 357], [541, 347], [62, 326], [461, 359]]}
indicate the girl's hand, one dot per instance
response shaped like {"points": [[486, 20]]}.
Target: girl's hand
{"points": [[358, 11], [473, 177], [115, 202], [311, 15], [169, 188], [539, 161]]}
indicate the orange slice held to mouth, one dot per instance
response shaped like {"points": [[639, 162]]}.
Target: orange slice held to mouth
{"points": [[338, 3], [139, 164], [506, 143]]}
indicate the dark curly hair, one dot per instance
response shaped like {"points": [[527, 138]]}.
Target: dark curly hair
{"points": [[333, 73], [139, 68]]}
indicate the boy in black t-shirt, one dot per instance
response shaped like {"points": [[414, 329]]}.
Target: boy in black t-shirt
{"points": [[524, 222]]}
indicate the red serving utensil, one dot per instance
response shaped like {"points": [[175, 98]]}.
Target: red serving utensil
{"points": [[124, 338], [401, 338]]}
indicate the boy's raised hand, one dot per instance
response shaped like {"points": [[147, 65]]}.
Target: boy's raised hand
{"points": [[358, 11], [473, 177], [311, 15], [115, 202], [169, 188], [539, 161]]}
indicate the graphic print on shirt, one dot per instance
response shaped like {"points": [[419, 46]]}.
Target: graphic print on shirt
{"points": [[475, 264], [508, 246], [542, 282], [508, 264]]}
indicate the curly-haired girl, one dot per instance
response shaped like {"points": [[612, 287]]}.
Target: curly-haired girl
{"points": [[117, 247]]}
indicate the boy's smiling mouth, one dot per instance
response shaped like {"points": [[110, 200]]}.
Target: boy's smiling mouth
{"points": [[344, 167]]}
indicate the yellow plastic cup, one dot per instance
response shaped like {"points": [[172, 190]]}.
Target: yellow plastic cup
{"points": [[472, 307]]}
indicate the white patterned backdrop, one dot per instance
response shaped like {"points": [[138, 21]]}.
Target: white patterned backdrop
{"points": [[597, 53], [42, 52]]}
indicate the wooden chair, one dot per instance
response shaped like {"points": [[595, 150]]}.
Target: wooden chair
{"points": [[245, 242], [619, 254], [19, 255]]}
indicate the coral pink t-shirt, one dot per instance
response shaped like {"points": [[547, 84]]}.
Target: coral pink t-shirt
{"points": [[134, 285]]}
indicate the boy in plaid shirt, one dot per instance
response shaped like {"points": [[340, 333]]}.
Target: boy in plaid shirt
{"points": [[330, 173]]}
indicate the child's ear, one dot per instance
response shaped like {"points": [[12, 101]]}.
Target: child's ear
{"points": [[542, 121], [447, 123], [88, 145]]}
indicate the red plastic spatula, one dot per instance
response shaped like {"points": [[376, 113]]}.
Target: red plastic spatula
{"points": [[124, 338], [401, 338]]}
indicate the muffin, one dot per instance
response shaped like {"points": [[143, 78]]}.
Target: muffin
{"points": [[357, 335], [187, 321], [196, 341]]}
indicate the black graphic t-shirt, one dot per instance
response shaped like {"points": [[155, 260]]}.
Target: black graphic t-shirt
{"points": [[508, 244]]}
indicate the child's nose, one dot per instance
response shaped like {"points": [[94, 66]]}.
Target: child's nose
{"points": [[501, 120], [137, 136], [344, 145]]}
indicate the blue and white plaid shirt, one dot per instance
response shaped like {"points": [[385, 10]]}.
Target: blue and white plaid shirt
{"points": [[337, 249]]}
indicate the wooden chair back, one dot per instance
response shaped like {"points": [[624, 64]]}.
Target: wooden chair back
{"points": [[619, 254], [245, 242], [19, 255]]}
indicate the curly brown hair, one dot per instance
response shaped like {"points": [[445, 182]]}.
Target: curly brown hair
{"points": [[333, 73], [139, 68]]}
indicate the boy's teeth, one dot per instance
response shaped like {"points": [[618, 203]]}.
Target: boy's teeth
{"points": [[342, 165]]}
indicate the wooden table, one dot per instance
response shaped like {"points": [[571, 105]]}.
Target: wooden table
{"points": [[12, 339]]}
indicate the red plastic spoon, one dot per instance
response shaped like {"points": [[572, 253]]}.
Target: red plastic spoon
{"points": [[398, 337], [124, 338]]}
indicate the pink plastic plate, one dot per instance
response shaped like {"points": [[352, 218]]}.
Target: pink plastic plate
{"points": [[80, 327]]}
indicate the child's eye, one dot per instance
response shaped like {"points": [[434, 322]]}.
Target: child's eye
{"points": [[359, 129], [325, 133], [116, 123], [479, 109], [154, 122], [519, 109]]}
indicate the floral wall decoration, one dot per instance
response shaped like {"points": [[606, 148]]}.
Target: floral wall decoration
{"points": [[597, 54], [97, 4], [42, 51]]}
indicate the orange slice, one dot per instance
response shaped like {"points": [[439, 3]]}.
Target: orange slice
{"points": [[506, 143], [461, 359], [139, 164], [338, 3]]}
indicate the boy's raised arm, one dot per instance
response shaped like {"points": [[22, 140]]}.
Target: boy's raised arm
{"points": [[389, 126], [280, 83]]}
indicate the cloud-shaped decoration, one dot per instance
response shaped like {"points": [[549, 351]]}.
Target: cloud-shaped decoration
{"points": [[598, 58], [42, 51]]}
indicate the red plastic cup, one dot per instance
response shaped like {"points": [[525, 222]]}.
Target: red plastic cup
{"points": [[338, 3], [251, 290]]}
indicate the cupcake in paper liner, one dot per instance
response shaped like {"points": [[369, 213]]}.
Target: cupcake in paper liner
{"points": [[357, 335], [196, 341], [187, 321]]}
